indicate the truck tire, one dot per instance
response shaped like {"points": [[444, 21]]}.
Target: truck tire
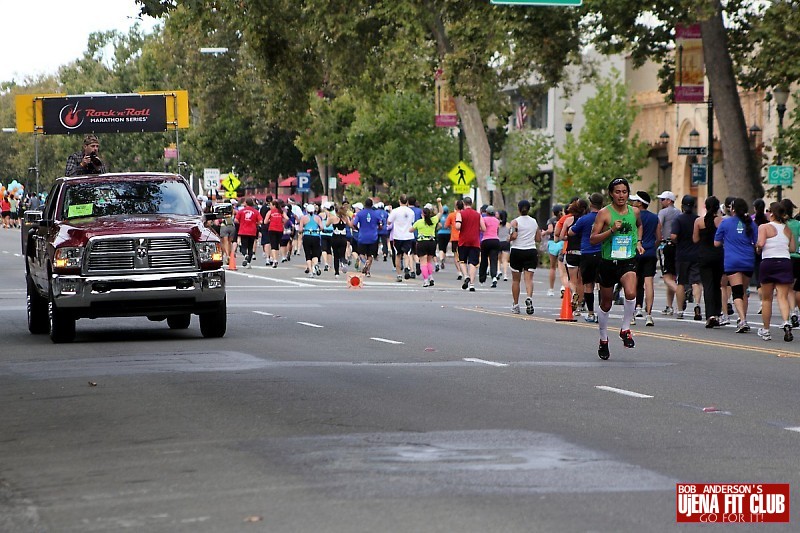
{"points": [[62, 324], [214, 324], [38, 321], [179, 321]]}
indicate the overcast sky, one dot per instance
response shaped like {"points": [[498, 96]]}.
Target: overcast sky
{"points": [[38, 36]]}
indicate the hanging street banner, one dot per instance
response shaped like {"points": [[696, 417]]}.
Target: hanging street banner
{"points": [[690, 69], [461, 176], [60, 114], [446, 113]]}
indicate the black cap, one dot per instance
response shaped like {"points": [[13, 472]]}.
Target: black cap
{"points": [[644, 196], [688, 199]]}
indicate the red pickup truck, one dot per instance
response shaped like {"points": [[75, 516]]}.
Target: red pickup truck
{"points": [[118, 245]]}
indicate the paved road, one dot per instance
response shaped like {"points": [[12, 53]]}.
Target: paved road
{"points": [[390, 408]]}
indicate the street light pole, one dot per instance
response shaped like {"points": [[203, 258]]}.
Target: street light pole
{"points": [[710, 155], [781, 97]]}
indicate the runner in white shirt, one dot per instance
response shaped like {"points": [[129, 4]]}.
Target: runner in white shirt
{"points": [[524, 235], [402, 219]]}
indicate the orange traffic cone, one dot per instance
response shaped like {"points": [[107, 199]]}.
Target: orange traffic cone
{"points": [[566, 307], [354, 280], [232, 261]]}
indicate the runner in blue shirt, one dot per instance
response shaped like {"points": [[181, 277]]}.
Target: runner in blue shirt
{"points": [[646, 263], [590, 253], [367, 221]]}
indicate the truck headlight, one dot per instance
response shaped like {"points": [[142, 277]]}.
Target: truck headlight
{"points": [[68, 259], [210, 254]]}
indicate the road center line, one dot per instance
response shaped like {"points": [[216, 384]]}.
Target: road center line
{"points": [[263, 313], [796, 429], [311, 325], [623, 391], [483, 361], [387, 341]]}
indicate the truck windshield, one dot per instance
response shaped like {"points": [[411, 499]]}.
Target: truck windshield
{"points": [[97, 199]]}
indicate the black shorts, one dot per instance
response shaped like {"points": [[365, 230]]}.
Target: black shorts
{"points": [[402, 247], [523, 259], [470, 255], [668, 259], [442, 240], [646, 266], [688, 272], [572, 259], [610, 272], [325, 243], [368, 249], [505, 246], [275, 239], [264, 236], [454, 247], [589, 265], [426, 247]]}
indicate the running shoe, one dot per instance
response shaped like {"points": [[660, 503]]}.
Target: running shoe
{"points": [[275, 265], [697, 314], [336, 276], [327, 268], [562, 292], [317, 271], [466, 284], [494, 284], [384, 258], [649, 321], [730, 309], [441, 267], [724, 320], [602, 351], [343, 267], [244, 263], [436, 267], [679, 315], [639, 313], [633, 321], [399, 279], [250, 264], [306, 271], [764, 334], [459, 277], [712, 322], [787, 332], [413, 276], [426, 283], [550, 292], [418, 269], [505, 278], [795, 321], [529, 306], [742, 326], [515, 309], [591, 317], [310, 275], [627, 338], [668, 311], [471, 287], [431, 282]]}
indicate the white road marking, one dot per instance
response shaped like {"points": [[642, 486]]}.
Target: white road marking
{"points": [[388, 341], [623, 391], [483, 361], [311, 325], [797, 429], [263, 313]]}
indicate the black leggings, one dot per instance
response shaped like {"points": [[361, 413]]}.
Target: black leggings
{"points": [[339, 245], [711, 275], [247, 242], [490, 249]]}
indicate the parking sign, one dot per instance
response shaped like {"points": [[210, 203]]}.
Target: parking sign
{"points": [[303, 182]]}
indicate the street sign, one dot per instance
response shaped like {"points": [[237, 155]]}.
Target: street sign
{"points": [[332, 183], [303, 182], [210, 178], [491, 184], [461, 176], [692, 150], [230, 182], [230, 194], [780, 175], [539, 2], [699, 175]]}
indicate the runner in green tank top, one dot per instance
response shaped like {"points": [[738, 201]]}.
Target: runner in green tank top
{"points": [[619, 229]]}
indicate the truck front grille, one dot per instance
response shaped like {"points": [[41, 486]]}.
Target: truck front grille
{"points": [[140, 254]]}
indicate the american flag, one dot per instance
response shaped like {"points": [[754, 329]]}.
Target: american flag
{"points": [[522, 115]]}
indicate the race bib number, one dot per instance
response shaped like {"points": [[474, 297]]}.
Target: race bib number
{"points": [[620, 244]]}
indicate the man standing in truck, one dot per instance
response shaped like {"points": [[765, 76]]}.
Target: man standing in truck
{"points": [[86, 161]]}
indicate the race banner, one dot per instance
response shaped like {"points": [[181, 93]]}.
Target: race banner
{"points": [[690, 68], [104, 114]]}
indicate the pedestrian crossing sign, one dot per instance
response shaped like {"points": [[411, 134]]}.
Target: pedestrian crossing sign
{"points": [[461, 176]]}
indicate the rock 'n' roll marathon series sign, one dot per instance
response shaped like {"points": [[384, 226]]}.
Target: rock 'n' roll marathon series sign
{"points": [[104, 114]]}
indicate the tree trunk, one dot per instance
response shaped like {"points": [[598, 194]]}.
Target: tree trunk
{"points": [[739, 168], [470, 116]]}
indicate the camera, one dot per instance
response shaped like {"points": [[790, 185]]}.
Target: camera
{"points": [[95, 160]]}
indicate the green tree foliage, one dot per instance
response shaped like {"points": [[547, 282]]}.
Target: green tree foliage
{"points": [[605, 148], [524, 153]]}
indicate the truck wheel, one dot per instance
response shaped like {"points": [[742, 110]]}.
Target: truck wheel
{"points": [[179, 321], [214, 324], [37, 310], [62, 324]]}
